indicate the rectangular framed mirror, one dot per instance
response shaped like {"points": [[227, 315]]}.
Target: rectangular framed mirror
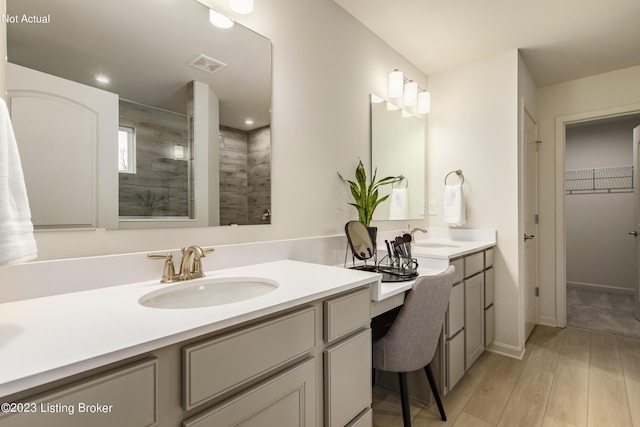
{"points": [[177, 133]]}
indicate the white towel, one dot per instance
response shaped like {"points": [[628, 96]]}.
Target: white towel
{"points": [[17, 243], [453, 212], [399, 204]]}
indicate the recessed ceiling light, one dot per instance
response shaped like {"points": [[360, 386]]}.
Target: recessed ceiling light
{"points": [[219, 20], [248, 122], [101, 78]]}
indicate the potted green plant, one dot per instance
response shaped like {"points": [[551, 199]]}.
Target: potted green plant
{"points": [[365, 195]]}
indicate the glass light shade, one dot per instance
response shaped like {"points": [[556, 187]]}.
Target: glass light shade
{"points": [[424, 102], [219, 20], [396, 81], [178, 151], [410, 94], [241, 6]]}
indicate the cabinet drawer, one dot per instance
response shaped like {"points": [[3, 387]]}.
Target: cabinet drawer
{"points": [[488, 258], [126, 396], [346, 314], [218, 365], [454, 355], [286, 400], [458, 275], [347, 379], [474, 318], [473, 264], [489, 286], [455, 313]]}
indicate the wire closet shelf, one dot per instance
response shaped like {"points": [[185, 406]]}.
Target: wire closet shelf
{"points": [[617, 179]]}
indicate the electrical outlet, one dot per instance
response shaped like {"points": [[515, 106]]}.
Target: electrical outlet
{"points": [[433, 207]]}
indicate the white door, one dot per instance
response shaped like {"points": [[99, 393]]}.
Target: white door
{"points": [[636, 194], [530, 225], [67, 135]]}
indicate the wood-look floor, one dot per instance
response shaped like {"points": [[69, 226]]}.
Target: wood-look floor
{"points": [[568, 377]]}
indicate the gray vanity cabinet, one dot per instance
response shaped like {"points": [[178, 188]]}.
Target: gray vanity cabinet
{"points": [[347, 360], [303, 367], [286, 400], [126, 395]]}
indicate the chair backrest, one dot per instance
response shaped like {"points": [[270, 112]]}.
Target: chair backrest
{"points": [[412, 339]]}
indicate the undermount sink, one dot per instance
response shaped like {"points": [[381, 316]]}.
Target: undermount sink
{"points": [[435, 245], [208, 292]]}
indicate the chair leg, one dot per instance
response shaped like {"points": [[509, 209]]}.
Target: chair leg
{"points": [[434, 389], [404, 399]]}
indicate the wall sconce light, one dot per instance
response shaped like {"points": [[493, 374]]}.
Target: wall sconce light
{"points": [[241, 6], [396, 81], [178, 151], [424, 102], [411, 93]]}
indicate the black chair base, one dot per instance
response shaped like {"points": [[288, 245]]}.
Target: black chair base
{"points": [[404, 396]]}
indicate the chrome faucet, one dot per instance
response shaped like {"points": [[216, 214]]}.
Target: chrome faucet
{"points": [[192, 270]]}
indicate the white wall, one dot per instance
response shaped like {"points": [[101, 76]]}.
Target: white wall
{"points": [[473, 126], [325, 65], [593, 96], [599, 250]]}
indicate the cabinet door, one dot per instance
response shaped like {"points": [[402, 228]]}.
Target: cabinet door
{"points": [[347, 379], [455, 312], [474, 318], [489, 324], [489, 286], [455, 360], [287, 400]]}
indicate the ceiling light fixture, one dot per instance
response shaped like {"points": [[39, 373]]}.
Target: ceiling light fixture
{"points": [[241, 6], [248, 122], [101, 78], [219, 20]]}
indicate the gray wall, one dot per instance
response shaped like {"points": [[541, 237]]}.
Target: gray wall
{"points": [[159, 176], [599, 250], [245, 178]]}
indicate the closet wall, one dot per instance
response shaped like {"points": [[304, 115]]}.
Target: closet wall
{"points": [[600, 251]]}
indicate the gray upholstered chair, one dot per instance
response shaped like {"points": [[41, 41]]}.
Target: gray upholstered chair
{"points": [[411, 341]]}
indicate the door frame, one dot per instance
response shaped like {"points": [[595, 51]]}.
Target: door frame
{"points": [[561, 233]]}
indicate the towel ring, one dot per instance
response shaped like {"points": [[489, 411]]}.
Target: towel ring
{"points": [[457, 172], [400, 179]]}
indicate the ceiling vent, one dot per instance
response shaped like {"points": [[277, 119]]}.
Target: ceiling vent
{"points": [[210, 65]]}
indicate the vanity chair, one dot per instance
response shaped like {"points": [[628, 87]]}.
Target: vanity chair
{"points": [[411, 341]]}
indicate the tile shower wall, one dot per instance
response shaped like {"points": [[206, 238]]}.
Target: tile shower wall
{"points": [[160, 186], [245, 179]]}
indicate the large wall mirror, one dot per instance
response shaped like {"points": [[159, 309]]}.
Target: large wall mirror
{"points": [[177, 134], [398, 149]]}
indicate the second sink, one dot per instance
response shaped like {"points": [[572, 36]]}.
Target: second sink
{"points": [[208, 292]]}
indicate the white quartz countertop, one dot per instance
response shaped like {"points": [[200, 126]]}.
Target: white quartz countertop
{"points": [[45, 339], [433, 256]]}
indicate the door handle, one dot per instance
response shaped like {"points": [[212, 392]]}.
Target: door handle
{"points": [[528, 237], [634, 233]]}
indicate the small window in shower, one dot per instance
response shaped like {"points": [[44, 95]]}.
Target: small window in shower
{"points": [[126, 150]]}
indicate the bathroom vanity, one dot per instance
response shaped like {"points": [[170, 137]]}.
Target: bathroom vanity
{"points": [[469, 322], [299, 355]]}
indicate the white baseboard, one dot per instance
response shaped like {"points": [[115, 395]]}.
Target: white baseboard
{"points": [[507, 350], [597, 287]]}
